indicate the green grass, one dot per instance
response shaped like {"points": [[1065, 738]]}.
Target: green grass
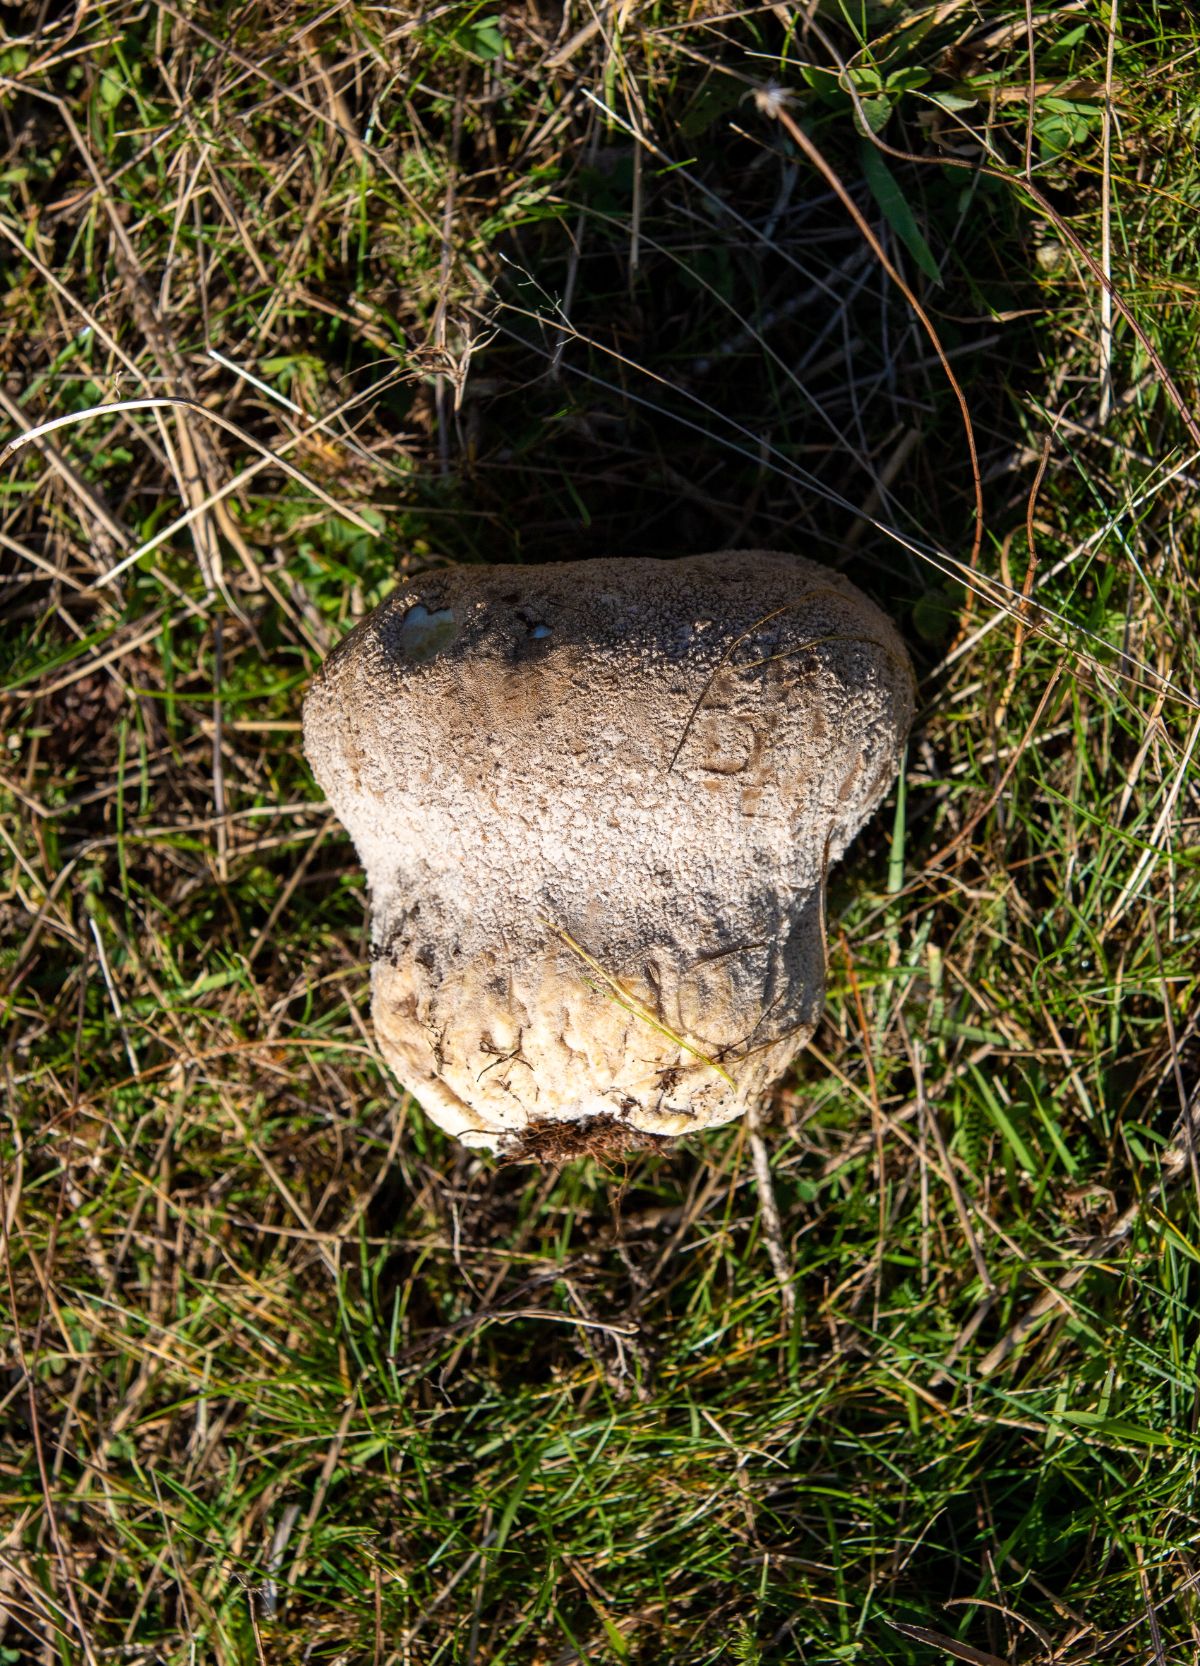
{"points": [[287, 1376]]}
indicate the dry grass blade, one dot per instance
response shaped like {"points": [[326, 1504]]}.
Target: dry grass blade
{"points": [[948, 1645], [617, 992], [173, 402]]}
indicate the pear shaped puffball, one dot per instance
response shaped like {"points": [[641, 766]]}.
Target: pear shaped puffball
{"points": [[597, 802]]}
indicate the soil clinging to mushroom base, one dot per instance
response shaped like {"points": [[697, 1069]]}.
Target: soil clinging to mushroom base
{"points": [[606, 1138]]}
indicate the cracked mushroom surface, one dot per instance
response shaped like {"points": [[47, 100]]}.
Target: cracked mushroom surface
{"points": [[597, 803]]}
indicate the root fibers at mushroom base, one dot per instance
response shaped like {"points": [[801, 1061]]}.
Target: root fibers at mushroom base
{"points": [[597, 803]]}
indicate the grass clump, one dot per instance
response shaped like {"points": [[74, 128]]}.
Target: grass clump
{"points": [[288, 1377]]}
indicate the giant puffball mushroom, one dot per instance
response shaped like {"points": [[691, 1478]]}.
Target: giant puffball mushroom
{"points": [[597, 802]]}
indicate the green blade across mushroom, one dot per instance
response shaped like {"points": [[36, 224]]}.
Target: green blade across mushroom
{"points": [[597, 802]]}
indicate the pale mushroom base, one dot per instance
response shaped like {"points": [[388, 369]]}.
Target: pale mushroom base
{"points": [[545, 1056]]}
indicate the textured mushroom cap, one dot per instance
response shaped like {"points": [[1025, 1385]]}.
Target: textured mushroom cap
{"points": [[597, 802]]}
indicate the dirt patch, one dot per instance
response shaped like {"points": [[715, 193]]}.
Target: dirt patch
{"points": [[80, 721], [604, 1137]]}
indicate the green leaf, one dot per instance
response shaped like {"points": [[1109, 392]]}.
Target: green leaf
{"points": [[876, 111], [1070, 106], [953, 101], [1062, 131], [1067, 41], [616, 1642], [1179, 1239], [111, 89], [1116, 1428], [895, 881], [513, 1502], [1004, 1123], [895, 209], [907, 80], [714, 100], [820, 80], [487, 38]]}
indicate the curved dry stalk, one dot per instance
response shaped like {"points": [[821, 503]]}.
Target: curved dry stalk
{"points": [[771, 105]]}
